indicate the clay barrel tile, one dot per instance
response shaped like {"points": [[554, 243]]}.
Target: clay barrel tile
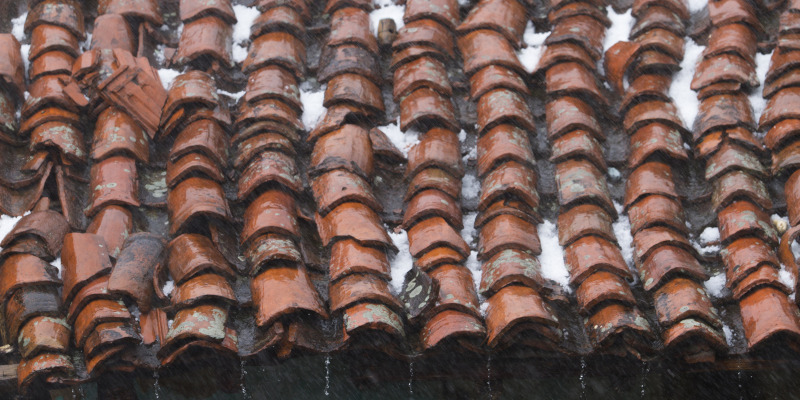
{"points": [[509, 178], [372, 317], [384, 149], [689, 330], [644, 87], [649, 239], [723, 111], [451, 324], [678, 7], [726, 12], [273, 211], [109, 334], [766, 313], [269, 248], [268, 167], [438, 256], [515, 305], [577, 144], [657, 210], [425, 32], [735, 39], [64, 138], [278, 48], [503, 106], [580, 182], [601, 287], [614, 319], [664, 41], [495, 77], [190, 87], [438, 148], [743, 218], [335, 117], [133, 272], [567, 113], [20, 270], [422, 72], [84, 258], [681, 299], [570, 78], [356, 221], [780, 107], [117, 133], [191, 9], [248, 149], [433, 178], [273, 81], [505, 232], [656, 138], [642, 114], [201, 288], [352, 26], [764, 276], [196, 197], [502, 143], [732, 157], [350, 257], [485, 47], [191, 254], [300, 6], [358, 288], [444, 12], [65, 14], [114, 181], [278, 19], [117, 34], [648, 179], [45, 91], [348, 148], [508, 267], [192, 165], [792, 190], [724, 67], [348, 59], [12, 70], [435, 232], [17, 201], [97, 289], [789, 79], [567, 52], [509, 206], [415, 52], [582, 30], [281, 291], [99, 361], [781, 62], [95, 313], [429, 203], [589, 254], [506, 17], [667, 262], [113, 224], [739, 185], [456, 289], [147, 10], [744, 256], [29, 302], [204, 322], [44, 364], [584, 220], [425, 108], [207, 36], [202, 136], [335, 187], [50, 226], [658, 17], [47, 38], [356, 90], [43, 335]]}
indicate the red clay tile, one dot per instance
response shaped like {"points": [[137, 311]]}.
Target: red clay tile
{"points": [[350, 257], [278, 19], [298, 5], [113, 224], [12, 70], [280, 291], [745, 218], [190, 10], [556, 15], [430, 203], [645, 87], [583, 220], [739, 185], [570, 78], [248, 149], [566, 114], [509, 267], [144, 9], [49, 226], [48, 114], [275, 82], [352, 26], [435, 232], [202, 136], [648, 179], [192, 87], [192, 165], [676, 6], [279, 48], [335, 117], [438, 148], [44, 364], [46, 38], [780, 107], [116, 132], [765, 275], [564, 52], [780, 63], [84, 258], [735, 39], [132, 275], [338, 186], [456, 289], [578, 144], [581, 29], [425, 32], [664, 41], [650, 61], [65, 139], [98, 312], [348, 147], [97, 289], [115, 182], [725, 12], [731, 157], [501, 143], [505, 17], [506, 232], [46, 91], [667, 262], [269, 113], [273, 211], [509, 178], [442, 11], [658, 17], [271, 247], [508, 206], [450, 324], [504, 106], [601, 287], [512, 306], [590, 254], [496, 77], [580, 181], [424, 108], [645, 113], [615, 319], [649, 239], [20, 270], [691, 330], [438, 256], [109, 334], [792, 193], [766, 313], [422, 72], [191, 254], [117, 33], [370, 316], [656, 138], [208, 36], [348, 59], [723, 111], [207, 201], [359, 288], [789, 79], [43, 334], [414, 52], [484, 47], [268, 167], [681, 299], [28, 302], [355, 90], [384, 149], [433, 178], [356, 221], [66, 14], [203, 288], [657, 210], [724, 67], [202, 322]]}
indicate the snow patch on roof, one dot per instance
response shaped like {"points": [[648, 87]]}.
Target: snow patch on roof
{"points": [[470, 187], [620, 28], [696, 5], [386, 9], [7, 223], [18, 27], [683, 96], [552, 257], [402, 261], [167, 76], [709, 235], [404, 141], [622, 230], [312, 104], [715, 284], [756, 99], [530, 55], [245, 17]]}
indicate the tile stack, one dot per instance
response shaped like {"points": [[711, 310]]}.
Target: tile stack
{"points": [[575, 100], [108, 271], [33, 315], [340, 171], [197, 121], [724, 139], [269, 181], [781, 122], [422, 52], [667, 263], [14, 198], [508, 242], [51, 118]]}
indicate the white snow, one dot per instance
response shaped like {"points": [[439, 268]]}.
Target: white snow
{"points": [[167, 76], [715, 284], [235, 96], [57, 263], [7, 222], [552, 257], [312, 105], [168, 287], [614, 174], [622, 230], [239, 53], [245, 16], [404, 141], [402, 261], [25, 50], [726, 330], [683, 96], [534, 42], [620, 28], [18, 27], [470, 187], [468, 233], [696, 5], [709, 235], [756, 99], [786, 277], [386, 9]]}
